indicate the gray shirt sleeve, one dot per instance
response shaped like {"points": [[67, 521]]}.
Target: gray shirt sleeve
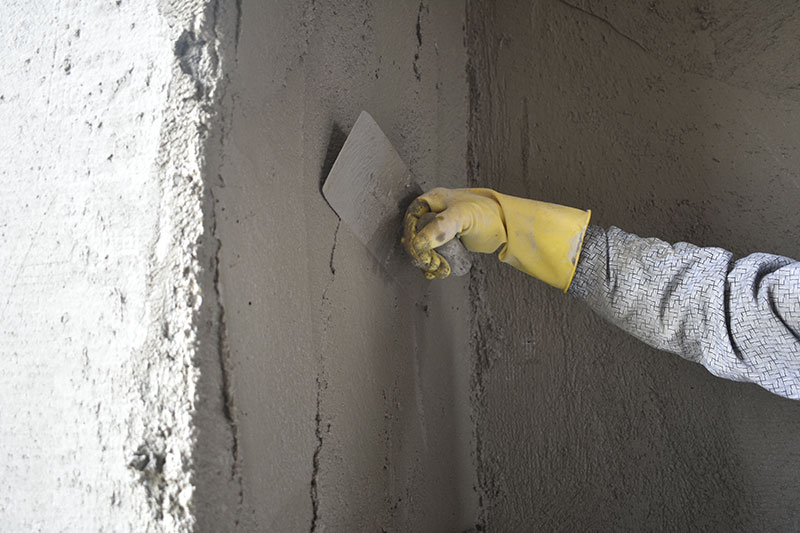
{"points": [[738, 318]]}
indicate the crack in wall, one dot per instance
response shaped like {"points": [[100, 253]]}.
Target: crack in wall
{"points": [[228, 404], [415, 64], [321, 381], [419, 24], [238, 32], [333, 250], [224, 355], [315, 516], [223, 349], [606, 22]]}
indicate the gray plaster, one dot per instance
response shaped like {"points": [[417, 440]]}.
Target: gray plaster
{"points": [[347, 392], [671, 119]]}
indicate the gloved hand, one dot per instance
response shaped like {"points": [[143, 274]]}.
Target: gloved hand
{"points": [[541, 239]]}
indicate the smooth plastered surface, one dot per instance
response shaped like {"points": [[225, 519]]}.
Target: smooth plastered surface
{"points": [[670, 119], [348, 389]]}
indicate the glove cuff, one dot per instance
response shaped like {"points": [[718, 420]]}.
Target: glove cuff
{"points": [[544, 240]]}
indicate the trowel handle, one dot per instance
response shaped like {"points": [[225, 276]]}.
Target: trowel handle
{"points": [[453, 251]]}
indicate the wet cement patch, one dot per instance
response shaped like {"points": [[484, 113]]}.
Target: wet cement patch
{"points": [[350, 389]]}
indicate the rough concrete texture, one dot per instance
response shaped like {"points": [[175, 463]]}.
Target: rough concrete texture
{"points": [[672, 119], [103, 117], [191, 339], [348, 391]]}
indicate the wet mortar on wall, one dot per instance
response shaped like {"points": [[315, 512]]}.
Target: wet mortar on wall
{"points": [[349, 390], [670, 119], [192, 339]]}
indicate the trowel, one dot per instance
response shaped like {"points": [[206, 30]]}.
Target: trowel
{"points": [[370, 187]]}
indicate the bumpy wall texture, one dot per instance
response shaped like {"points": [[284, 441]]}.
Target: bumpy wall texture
{"points": [[672, 119], [104, 112], [191, 339]]}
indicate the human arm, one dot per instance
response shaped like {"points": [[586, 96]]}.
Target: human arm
{"points": [[738, 318]]}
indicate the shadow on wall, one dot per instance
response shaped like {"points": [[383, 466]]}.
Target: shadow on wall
{"points": [[579, 425], [335, 143]]}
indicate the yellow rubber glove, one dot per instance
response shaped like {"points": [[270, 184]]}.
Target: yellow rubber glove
{"points": [[540, 239]]}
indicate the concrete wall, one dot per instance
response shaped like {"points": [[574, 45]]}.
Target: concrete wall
{"points": [[671, 119], [104, 111], [347, 391], [191, 337]]}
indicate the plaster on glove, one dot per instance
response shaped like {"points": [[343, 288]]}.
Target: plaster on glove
{"points": [[541, 239]]}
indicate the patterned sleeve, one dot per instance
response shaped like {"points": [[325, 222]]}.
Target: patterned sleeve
{"points": [[740, 319]]}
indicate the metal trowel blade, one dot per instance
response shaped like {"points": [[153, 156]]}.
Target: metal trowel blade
{"points": [[370, 187]]}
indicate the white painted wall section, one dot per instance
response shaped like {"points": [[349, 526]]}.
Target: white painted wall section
{"points": [[101, 133]]}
